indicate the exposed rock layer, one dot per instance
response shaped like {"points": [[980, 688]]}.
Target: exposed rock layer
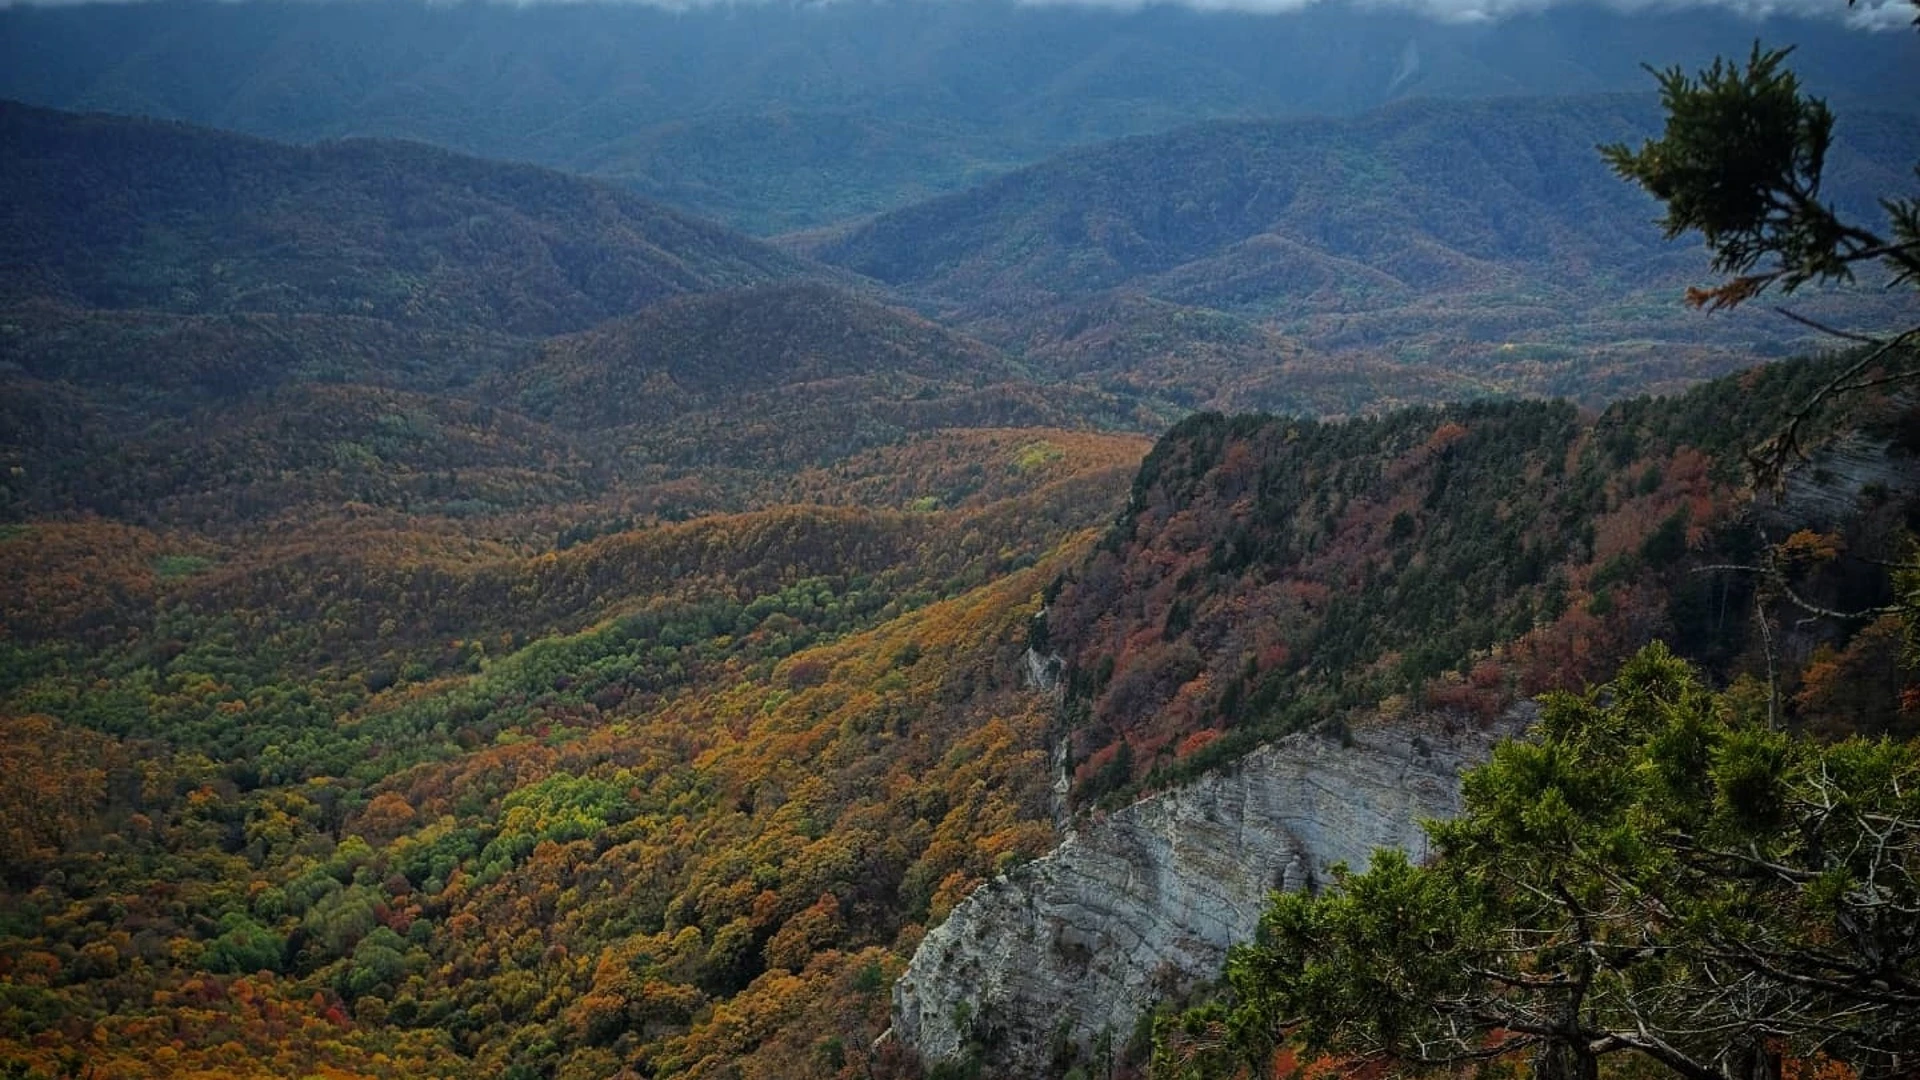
{"points": [[1840, 481], [1131, 907]]}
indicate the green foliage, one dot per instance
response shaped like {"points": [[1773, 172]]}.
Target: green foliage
{"points": [[1741, 161], [243, 947], [558, 809], [1740, 142], [379, 963], [1647, 846], [171, 567]]}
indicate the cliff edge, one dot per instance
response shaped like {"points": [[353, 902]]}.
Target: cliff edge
{"points": [[1086, 939]]}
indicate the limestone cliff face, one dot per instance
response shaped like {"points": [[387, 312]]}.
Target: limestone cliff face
{"points": [[1834, 485], [1147, 900]]}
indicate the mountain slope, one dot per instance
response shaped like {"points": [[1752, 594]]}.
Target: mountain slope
{"points": [[114, 213], [693, 351], [384, 798], [1400, 200], [610, 531], [680, 773], [1271, 572], [1479, 237], [210, 331]]}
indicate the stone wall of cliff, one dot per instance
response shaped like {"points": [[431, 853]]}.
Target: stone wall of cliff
{"points": [[1134, 906]]}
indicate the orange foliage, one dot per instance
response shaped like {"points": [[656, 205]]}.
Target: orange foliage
{"points": [[1196, 741], [51, 787]]}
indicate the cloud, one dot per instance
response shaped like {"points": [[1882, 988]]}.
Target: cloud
{"points": [[1863, 14]]}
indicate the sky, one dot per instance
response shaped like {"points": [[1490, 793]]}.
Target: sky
{"points": [[1869, 14]]}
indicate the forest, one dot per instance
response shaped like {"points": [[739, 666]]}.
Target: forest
{"points": [[460, 617]]}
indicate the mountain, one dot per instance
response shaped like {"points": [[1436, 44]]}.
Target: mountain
{"points": [[1299, 636], [463, 620], [403, 693], [699, 404], [629, 524], [106, 212], [1175, 358], [321, 796], [687, 352], [1271, 573], [792, 116], [211, 331], [1482, 239]]}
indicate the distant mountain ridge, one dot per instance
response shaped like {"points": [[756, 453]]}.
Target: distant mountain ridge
{"points": [[112, 212], [697, 349], [208, 330], [1485, 237], [776, 117]]}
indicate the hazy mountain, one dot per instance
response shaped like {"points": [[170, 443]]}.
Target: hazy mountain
{"points": [[778, 378], [211, 330], [699, 349], [776, 117], [1484, 237], [109, 212]]}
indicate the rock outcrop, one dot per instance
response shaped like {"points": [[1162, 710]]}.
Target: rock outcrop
{"points": [[1142, 903], [1839, 482]]}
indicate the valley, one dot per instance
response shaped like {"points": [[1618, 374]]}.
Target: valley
{"points": [[861, 541]]}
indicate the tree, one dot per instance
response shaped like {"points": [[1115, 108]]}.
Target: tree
{"points": [[1741, 162], [1655, 871]]}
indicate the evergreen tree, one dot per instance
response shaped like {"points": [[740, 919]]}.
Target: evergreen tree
{"points": [[1655, 871], [1741, 162]]}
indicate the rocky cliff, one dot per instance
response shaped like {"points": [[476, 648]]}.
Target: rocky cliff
{"points": [[1847, 478], [1133, 907]]}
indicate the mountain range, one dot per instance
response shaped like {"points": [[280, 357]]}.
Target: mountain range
{"points": [[1482, 239], [115, 213], [461, 618], [779, 117]]}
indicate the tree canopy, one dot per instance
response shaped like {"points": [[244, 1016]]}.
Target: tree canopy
{"points": [[1741, 161], [1655, 871], [1658, 870]]}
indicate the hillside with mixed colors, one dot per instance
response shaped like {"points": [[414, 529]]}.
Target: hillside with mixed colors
{"points": [[463, 619], [1447, 249]]}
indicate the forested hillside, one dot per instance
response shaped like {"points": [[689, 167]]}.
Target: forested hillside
{"points": [[1271, 573], [114, 213], [423, 807], [460, 619], [683, 796], [457, 619], [1482, 242], [801, 115], [208, 331]]}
